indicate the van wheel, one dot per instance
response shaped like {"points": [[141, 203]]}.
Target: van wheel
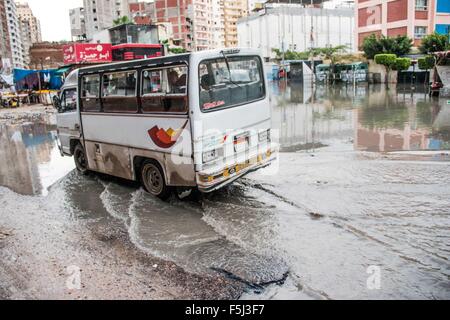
{"points": [[80, 159], [152, 178]]}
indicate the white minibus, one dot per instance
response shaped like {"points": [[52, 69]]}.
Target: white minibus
{"points": [[195, 120]]}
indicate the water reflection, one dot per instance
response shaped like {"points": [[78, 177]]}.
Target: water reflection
{"points": [[364, 118], [29, 157]]}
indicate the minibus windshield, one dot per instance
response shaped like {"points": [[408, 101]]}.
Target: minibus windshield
{"points": [[230, 82]]}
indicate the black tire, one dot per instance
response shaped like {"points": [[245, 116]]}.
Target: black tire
{"points": [[80, 159], [153, 180]]}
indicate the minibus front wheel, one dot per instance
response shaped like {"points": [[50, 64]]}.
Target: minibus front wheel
{"points": [[152, 177]]}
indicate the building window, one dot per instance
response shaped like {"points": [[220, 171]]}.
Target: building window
{"points": [[420, 32], [421, 5]]}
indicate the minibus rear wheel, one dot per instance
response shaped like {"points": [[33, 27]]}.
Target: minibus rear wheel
{"points": [[80, 159], [152, 177]]}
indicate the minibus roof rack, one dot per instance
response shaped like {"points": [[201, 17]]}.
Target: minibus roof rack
{"points": [[183, 58]]}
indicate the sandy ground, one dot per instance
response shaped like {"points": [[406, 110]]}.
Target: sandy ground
{"points": [[25, 113]]}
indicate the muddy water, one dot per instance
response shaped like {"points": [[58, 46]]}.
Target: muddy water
{"points": [[362, 185]]}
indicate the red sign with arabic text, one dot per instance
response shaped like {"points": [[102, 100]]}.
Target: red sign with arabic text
{"points": [[87, 53]]}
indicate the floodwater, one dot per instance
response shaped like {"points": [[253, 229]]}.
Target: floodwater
{"points": [[358, 206]]}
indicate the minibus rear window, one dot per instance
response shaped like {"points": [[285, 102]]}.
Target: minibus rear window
{"points": [[230, 82]]}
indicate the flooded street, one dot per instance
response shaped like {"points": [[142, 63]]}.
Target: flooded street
{"points": [[362, 189]]}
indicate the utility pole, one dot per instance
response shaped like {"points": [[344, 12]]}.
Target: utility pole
{"points": [[312, 44]]}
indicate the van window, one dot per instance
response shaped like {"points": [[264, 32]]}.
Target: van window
{"points": [[152, 82], [90, 93], [165, 90], [90, 86], [121, 84], [119, 92], [232, 82], [69, 100], [167, 81]]}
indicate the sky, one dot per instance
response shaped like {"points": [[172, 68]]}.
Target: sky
{"points": [[54, 17]]}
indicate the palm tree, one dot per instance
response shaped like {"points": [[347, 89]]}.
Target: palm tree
{"points": [[329, 53]]}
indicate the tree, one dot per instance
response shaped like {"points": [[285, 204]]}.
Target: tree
{"points": [[374, 45], [433, 43], [426, 63], [177, 50], [291, 55], [388, 60], [330, 53], [122, 20], [402, 64]]}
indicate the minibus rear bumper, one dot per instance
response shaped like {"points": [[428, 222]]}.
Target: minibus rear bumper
{"points": [[211, 182]]}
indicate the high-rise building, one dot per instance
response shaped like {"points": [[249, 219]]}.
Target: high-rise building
{"points": [[100, 14], [5, 43], [77, 23], [142, 12], [15, 38], [202, 24], [233, 10], [190, 21], [217, 24], [26, 14], [30, 29], [413, 18]]}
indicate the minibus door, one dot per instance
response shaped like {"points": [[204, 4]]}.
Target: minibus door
{"points": [[68, 119]]}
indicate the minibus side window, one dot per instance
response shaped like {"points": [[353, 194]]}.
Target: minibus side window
{"points": [[90, 93], [165, 90], [119, 92]]}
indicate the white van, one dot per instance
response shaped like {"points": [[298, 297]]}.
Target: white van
{"points": [[197, 120]]}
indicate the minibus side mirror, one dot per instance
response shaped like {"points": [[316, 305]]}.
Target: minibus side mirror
{"points": [[57, 103]]}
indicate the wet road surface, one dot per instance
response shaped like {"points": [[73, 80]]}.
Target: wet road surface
{"points": [[362, 182]]}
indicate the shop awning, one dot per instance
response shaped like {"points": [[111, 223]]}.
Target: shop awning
{"points": [[62, 70]]}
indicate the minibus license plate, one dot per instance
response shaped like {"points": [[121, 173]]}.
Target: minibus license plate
{"points": [[241, 143]]}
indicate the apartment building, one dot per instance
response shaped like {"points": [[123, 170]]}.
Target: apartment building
{"points": [[218, 24], [30, 29], [142, 12], [77, 23], [100, 14], [15, 37], [5, 43], [233, 10], [26, 14], [414, 18], [191, 22]]}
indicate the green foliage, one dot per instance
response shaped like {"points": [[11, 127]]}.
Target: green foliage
{"points": [[122, 20], [434, 42], [402, 64], [291, 55], [399, 45], [177, 50], [386, 59], [329, 53], [426, 63]]}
